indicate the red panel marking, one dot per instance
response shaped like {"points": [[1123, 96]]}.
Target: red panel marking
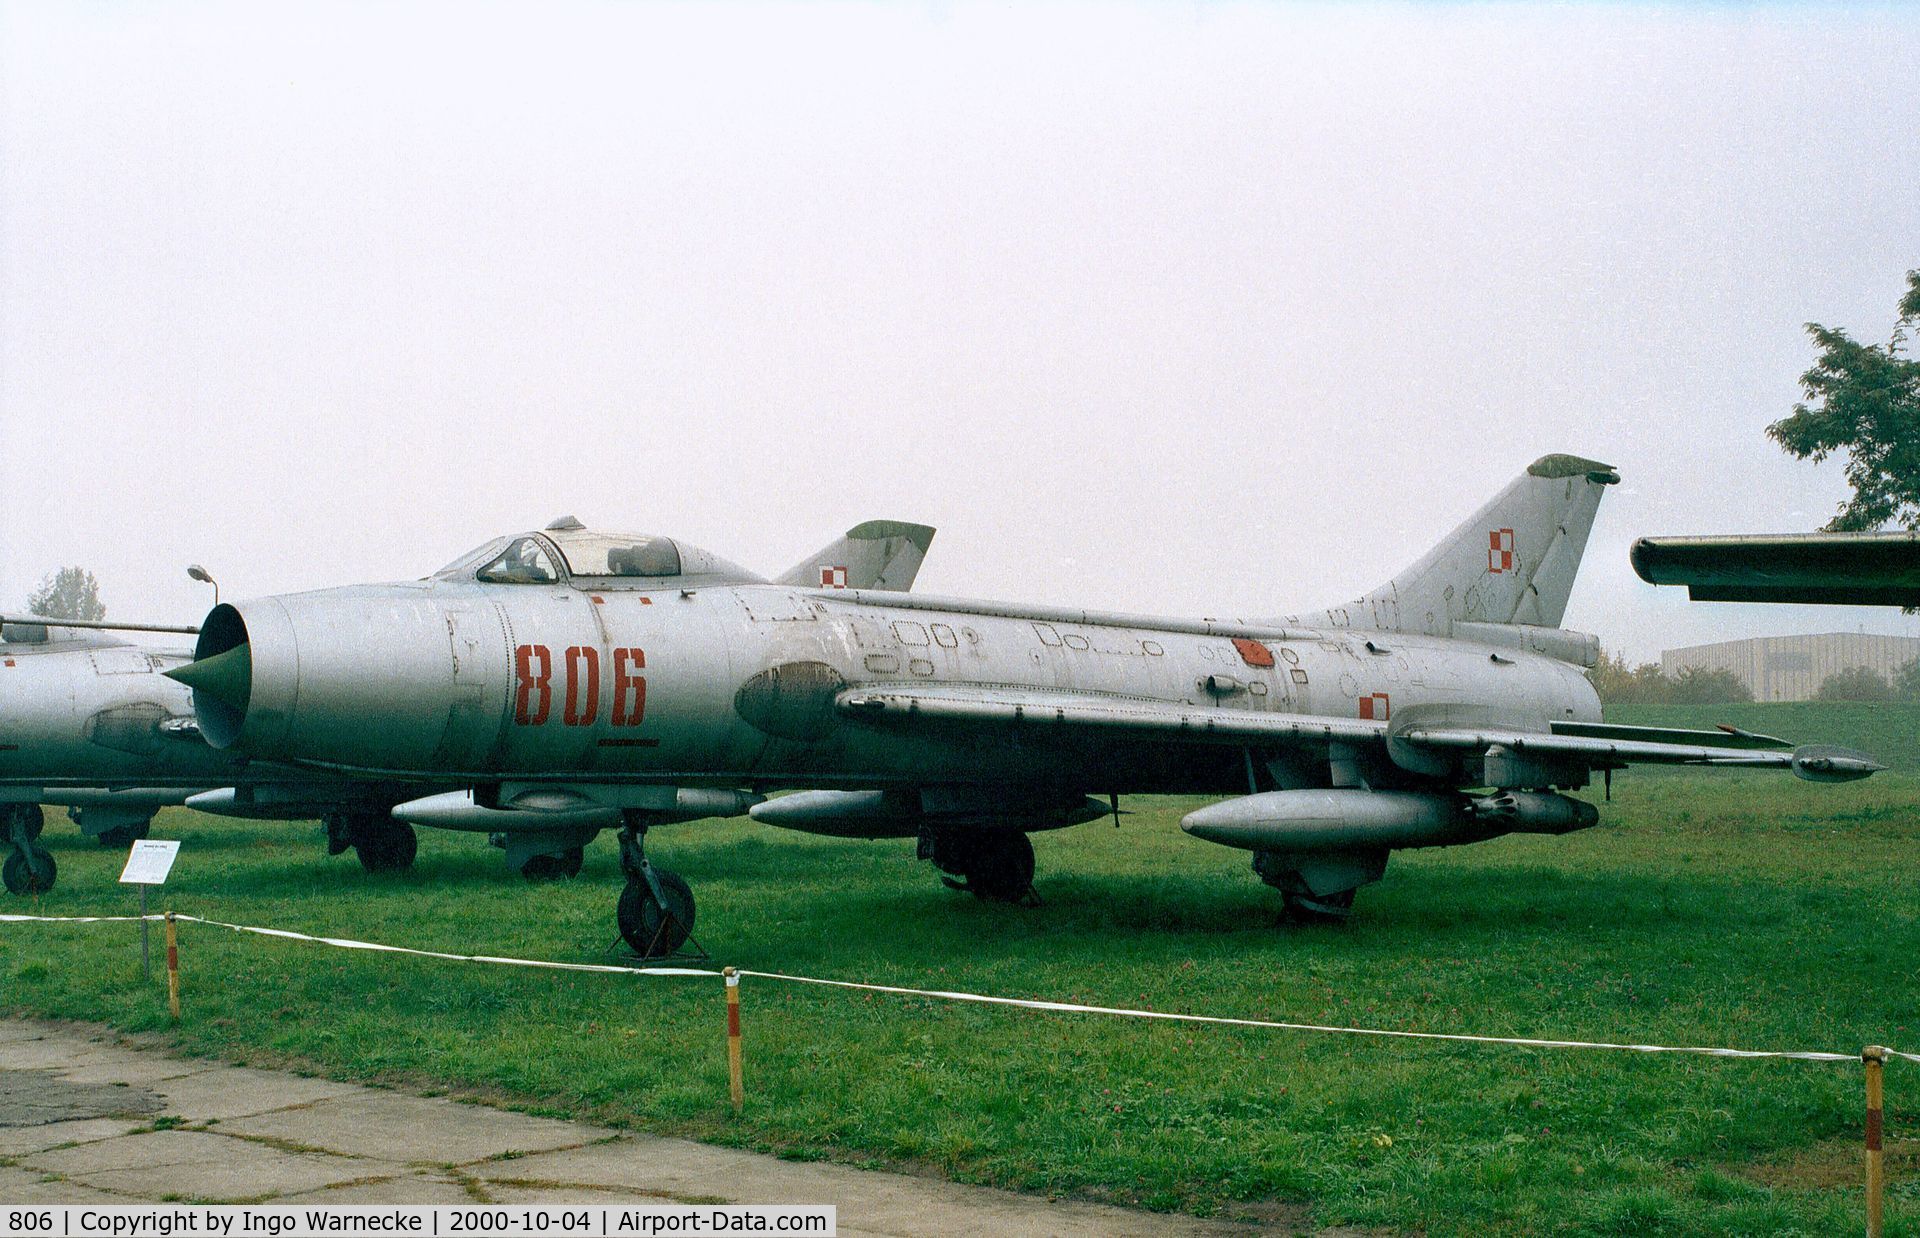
{"points": [[9, 661], [1500, 550], [526, 712], [1375, 708], [597, 599], [629, 689], [1252, 652], [583, 686], [833, 577]]}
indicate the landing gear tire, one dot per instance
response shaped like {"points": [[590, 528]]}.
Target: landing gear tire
{"points": [[28, 872], [996, 865], [656, 929], [554, 867], [385, 846], [124, 835], [1319, 908]]}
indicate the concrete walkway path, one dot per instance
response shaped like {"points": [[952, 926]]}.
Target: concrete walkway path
{"points": [[86, 1118]]}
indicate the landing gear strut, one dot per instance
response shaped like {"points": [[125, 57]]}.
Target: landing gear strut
{"points": [[996, 865], [28, 868], [383, 844], [656, 909]]}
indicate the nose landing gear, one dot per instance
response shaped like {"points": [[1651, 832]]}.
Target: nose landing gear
{"points": [[655, 913]]}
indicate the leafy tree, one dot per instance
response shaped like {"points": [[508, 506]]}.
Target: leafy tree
{"points": [[1906, 681], [1694, 686], [1621, 684], [1856, 683], [1864, 400], [70, 593]]}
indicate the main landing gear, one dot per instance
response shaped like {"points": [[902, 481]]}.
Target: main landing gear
{"points": [[28, 868], [115, 828], [996, 865], [555, 867], [1318, 890], [383, 844], [656, 909]]}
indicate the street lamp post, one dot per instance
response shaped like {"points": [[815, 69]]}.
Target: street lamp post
{"points": [[206, 578]]}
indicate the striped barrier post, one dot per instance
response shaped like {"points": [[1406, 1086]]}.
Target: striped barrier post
{"points": [[1875, 1058], [734, 1084], [173, 969]]}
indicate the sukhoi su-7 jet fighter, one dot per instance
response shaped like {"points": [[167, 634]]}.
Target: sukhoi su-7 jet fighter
{"points": [[569, 669]]}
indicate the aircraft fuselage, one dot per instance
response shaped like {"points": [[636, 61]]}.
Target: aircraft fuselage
{"points": [[736, 685]]}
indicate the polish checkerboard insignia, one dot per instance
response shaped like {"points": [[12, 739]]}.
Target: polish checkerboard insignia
{"points": [[1500, 550], [1375, 708], [833, 577]]}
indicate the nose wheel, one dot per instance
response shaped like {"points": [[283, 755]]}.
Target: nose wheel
{"points": [[656, 910], [28, 868]]}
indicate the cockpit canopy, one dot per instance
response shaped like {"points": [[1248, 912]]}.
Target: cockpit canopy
{"points": [[567, 552]]}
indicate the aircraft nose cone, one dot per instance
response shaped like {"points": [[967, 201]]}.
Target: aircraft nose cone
{"points": [[227, 677]]}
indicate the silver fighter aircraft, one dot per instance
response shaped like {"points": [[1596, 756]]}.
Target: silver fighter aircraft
{"points": [[87, 721], [575, 671]]}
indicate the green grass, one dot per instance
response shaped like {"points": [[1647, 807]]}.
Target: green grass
{"points": [[1732, 908]]}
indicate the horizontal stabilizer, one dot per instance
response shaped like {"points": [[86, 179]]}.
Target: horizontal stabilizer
{"points": [[1860, 569]]}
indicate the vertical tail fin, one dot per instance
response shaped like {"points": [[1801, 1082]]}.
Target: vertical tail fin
{"points": [[1512, 562], [880, 554]]}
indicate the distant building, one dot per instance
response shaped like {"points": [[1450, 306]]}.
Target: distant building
{"points": [[1792, 668]]}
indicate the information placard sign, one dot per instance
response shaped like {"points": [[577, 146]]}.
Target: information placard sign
{"points": [[150, 861]]}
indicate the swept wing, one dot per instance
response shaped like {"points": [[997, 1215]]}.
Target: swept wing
{"points": [[1599, 747]]}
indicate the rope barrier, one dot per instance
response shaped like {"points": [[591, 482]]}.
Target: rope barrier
{"points": [[1523, 1041], [346, 943], [1527, 1042]]}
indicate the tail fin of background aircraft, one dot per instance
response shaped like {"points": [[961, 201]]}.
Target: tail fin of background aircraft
{"points": [[1512, 562], [880, 554]]}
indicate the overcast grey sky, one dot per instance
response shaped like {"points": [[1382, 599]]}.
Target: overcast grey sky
{"points": [[1185, 308]]}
